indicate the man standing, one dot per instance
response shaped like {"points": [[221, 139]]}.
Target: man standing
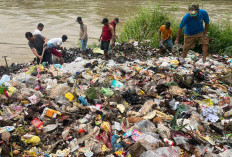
{"points": [[39, 29], [106, 35], [83, 35], [54, 45], [37, 43], [166, 32], [194, 30], [113, 24]]}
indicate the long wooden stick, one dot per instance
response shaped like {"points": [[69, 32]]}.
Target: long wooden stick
{"points": [[178, 53], [42, 54]]}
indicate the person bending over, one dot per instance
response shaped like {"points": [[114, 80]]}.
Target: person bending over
{"points": [[54, 45]]}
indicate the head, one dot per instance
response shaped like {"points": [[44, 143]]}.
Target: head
{"points": [[40, 26], [167, 25], [64, 38], [116, 20], [79, 20], [193, 10], [105, 21], [29, 36]]}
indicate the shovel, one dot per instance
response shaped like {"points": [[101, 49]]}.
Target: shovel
{"points": [[42, 54], [161, 43]]}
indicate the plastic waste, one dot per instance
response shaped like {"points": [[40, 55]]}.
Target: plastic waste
{"points": [[49, 128], [4, 79], [91, 93], [6, 129], [83, 101], [30, 139], [228, 113], [50, 113], [116, 84], [69, 96], [106, 92], [145, 126], [146, 107], [37, 123], [59, 89], [163, 151]]}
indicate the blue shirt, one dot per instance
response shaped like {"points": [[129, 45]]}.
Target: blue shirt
{"points": [[194, 26]]}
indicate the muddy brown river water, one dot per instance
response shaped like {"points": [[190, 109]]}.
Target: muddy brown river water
{"points": [[58, 16]]}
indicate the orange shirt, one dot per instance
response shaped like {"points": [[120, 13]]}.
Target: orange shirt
{"points": [[165, 32]]}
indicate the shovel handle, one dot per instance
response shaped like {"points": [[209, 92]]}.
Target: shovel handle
{"points": [[42, 54]]}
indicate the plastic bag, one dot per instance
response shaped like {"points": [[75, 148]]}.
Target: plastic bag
{"points": [[30, 139], [69, 96], [116, 83], [83, 101], [149, 142], [91, 93], [163, 151], [24, 78], [4, 79], [145, 126], [106, 92], [59, 89], [50, 127], [146, 107]]}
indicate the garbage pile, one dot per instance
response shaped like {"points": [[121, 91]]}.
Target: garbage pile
{"points": [[166, 106]]}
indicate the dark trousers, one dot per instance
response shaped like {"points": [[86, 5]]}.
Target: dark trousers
{"points": [[46, 58]]}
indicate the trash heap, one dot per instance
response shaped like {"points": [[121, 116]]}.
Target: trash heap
{"points": [[166, 106]]}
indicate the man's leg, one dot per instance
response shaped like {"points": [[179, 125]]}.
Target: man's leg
{"points": [[204, 40], [61, 59], [189, 42], [205, 51], [170, 45], [57, 53], [47, 57], [83, 47], [106, 49]]}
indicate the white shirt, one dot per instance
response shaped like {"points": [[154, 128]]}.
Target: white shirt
{"points": [[54, 42], [37, 32]]}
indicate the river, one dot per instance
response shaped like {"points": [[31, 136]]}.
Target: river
{"points": [[58, 16]]}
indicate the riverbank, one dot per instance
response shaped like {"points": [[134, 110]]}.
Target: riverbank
{"points": [[59, 18]]}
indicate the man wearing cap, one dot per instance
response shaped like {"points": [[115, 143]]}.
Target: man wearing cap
{"points": [[106, 35], [83, 35], [113, 24], [166, 32], [54, 45], [194, 30]]}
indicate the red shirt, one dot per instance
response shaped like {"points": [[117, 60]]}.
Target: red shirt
{"points": [[106, 33], [113, 24]]}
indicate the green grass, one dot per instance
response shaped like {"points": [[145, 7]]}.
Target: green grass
{"points": [[145, 24]]}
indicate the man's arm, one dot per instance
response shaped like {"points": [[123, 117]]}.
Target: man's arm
{"points": [[159, 36], [112, 31], [206, 28], [178, 36], [113, 35], [45, 41], [100, 36], [35, 53], [84, 36]]}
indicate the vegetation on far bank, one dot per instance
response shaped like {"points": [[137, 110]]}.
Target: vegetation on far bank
{"points": [[145, 24]]}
